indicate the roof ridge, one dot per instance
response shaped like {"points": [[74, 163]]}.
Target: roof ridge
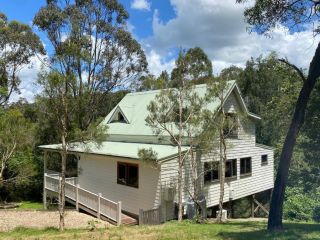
{"points": [[159, 90]]}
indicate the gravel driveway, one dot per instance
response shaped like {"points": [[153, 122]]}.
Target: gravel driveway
{"points": [[10, 219]]}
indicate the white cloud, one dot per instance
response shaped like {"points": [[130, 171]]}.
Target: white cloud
{"points": [[219, 28], [156, 64], [28, 76], [141, 5]]}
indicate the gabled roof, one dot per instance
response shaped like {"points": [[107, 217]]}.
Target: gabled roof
{"points": [[133, 134], [134, 106]]}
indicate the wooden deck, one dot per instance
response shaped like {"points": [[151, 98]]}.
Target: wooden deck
{"points": [[88, 202]]}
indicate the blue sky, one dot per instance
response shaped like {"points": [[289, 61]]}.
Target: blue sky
{"points": [[164, 26]]}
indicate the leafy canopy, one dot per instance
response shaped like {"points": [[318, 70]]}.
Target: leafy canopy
{"points": [[18, 44]]}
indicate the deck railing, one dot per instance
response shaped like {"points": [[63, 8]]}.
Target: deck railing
{"points": [[150, 217], [82, 197]]}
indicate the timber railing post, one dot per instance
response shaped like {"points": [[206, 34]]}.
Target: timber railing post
{"points": [[140, 216], [77, 196], [99, 206], [119, 213]]}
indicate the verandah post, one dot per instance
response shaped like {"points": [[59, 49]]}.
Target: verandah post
{"points": [[77, 196], [44, 191], [45, 156], [99, 206], [119, 213]]}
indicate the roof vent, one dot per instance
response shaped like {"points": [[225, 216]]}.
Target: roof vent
{"points": [[118, 117]]}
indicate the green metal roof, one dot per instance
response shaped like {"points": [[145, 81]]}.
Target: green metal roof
{"points": [[126, 138], [119, 149], [134, 107]]}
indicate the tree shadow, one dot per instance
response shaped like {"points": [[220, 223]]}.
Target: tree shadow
{"points": [[291, 231]]}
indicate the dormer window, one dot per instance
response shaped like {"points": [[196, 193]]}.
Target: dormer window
{"points": [[118, 117], [230, 129]]}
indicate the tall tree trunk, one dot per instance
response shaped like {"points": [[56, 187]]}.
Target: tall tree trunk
{"points": [[62, 183], [276, 207], [222, 171], [180, 186], [180, 192]]}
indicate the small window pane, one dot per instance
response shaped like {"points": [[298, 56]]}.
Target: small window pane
{"points": [[211, 171], [228, 169], [242, 166], [245, 165], [248, 165], [207, 172], [132, 176], [128, 174], [264, 159], [121, 173], [234, 167]]}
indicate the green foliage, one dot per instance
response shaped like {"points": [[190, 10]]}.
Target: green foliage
{"points": [[148, 156], [96, 52], [15, 144], [299, 205], [264, 15], [192, 65], [18, 44], [316, 213], [150, 82]]}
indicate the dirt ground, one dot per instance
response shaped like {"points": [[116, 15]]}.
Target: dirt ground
{"points": [[10, 219]]}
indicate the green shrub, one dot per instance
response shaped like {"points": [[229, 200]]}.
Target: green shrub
{"points": [[316, 213], [299, 205]]}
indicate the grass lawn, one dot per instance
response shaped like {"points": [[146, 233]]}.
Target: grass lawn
{"points": [[174, 230], [28, 205]]}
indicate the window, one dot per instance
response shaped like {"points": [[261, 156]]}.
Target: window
{"points": [[264, 159], [230, 129], [128, 174], [245, 165], [211, 171], [231, 168], [118, 117]]}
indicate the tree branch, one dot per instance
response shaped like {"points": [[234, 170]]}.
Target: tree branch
{"points": [[298, 70]]}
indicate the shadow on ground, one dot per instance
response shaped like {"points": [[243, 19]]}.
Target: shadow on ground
{"points": [[291, 231]]}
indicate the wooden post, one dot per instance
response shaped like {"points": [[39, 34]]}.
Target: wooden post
{"points": [[77, 196], [45, 157], [119, 213], [230, 212], [140, 216], [99, 205], [252, 206], [44, 191], [160, 215]]}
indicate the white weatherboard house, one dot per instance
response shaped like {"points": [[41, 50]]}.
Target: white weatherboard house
{"points": [[111, 178]]}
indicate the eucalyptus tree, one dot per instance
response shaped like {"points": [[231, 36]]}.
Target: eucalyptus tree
{"points": [[16, 137], [196, 67], [151, 82], [219, 127], [18, 44], [59, 105], [175, 112], [93, 54], [264, 16], [91, 43]]}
